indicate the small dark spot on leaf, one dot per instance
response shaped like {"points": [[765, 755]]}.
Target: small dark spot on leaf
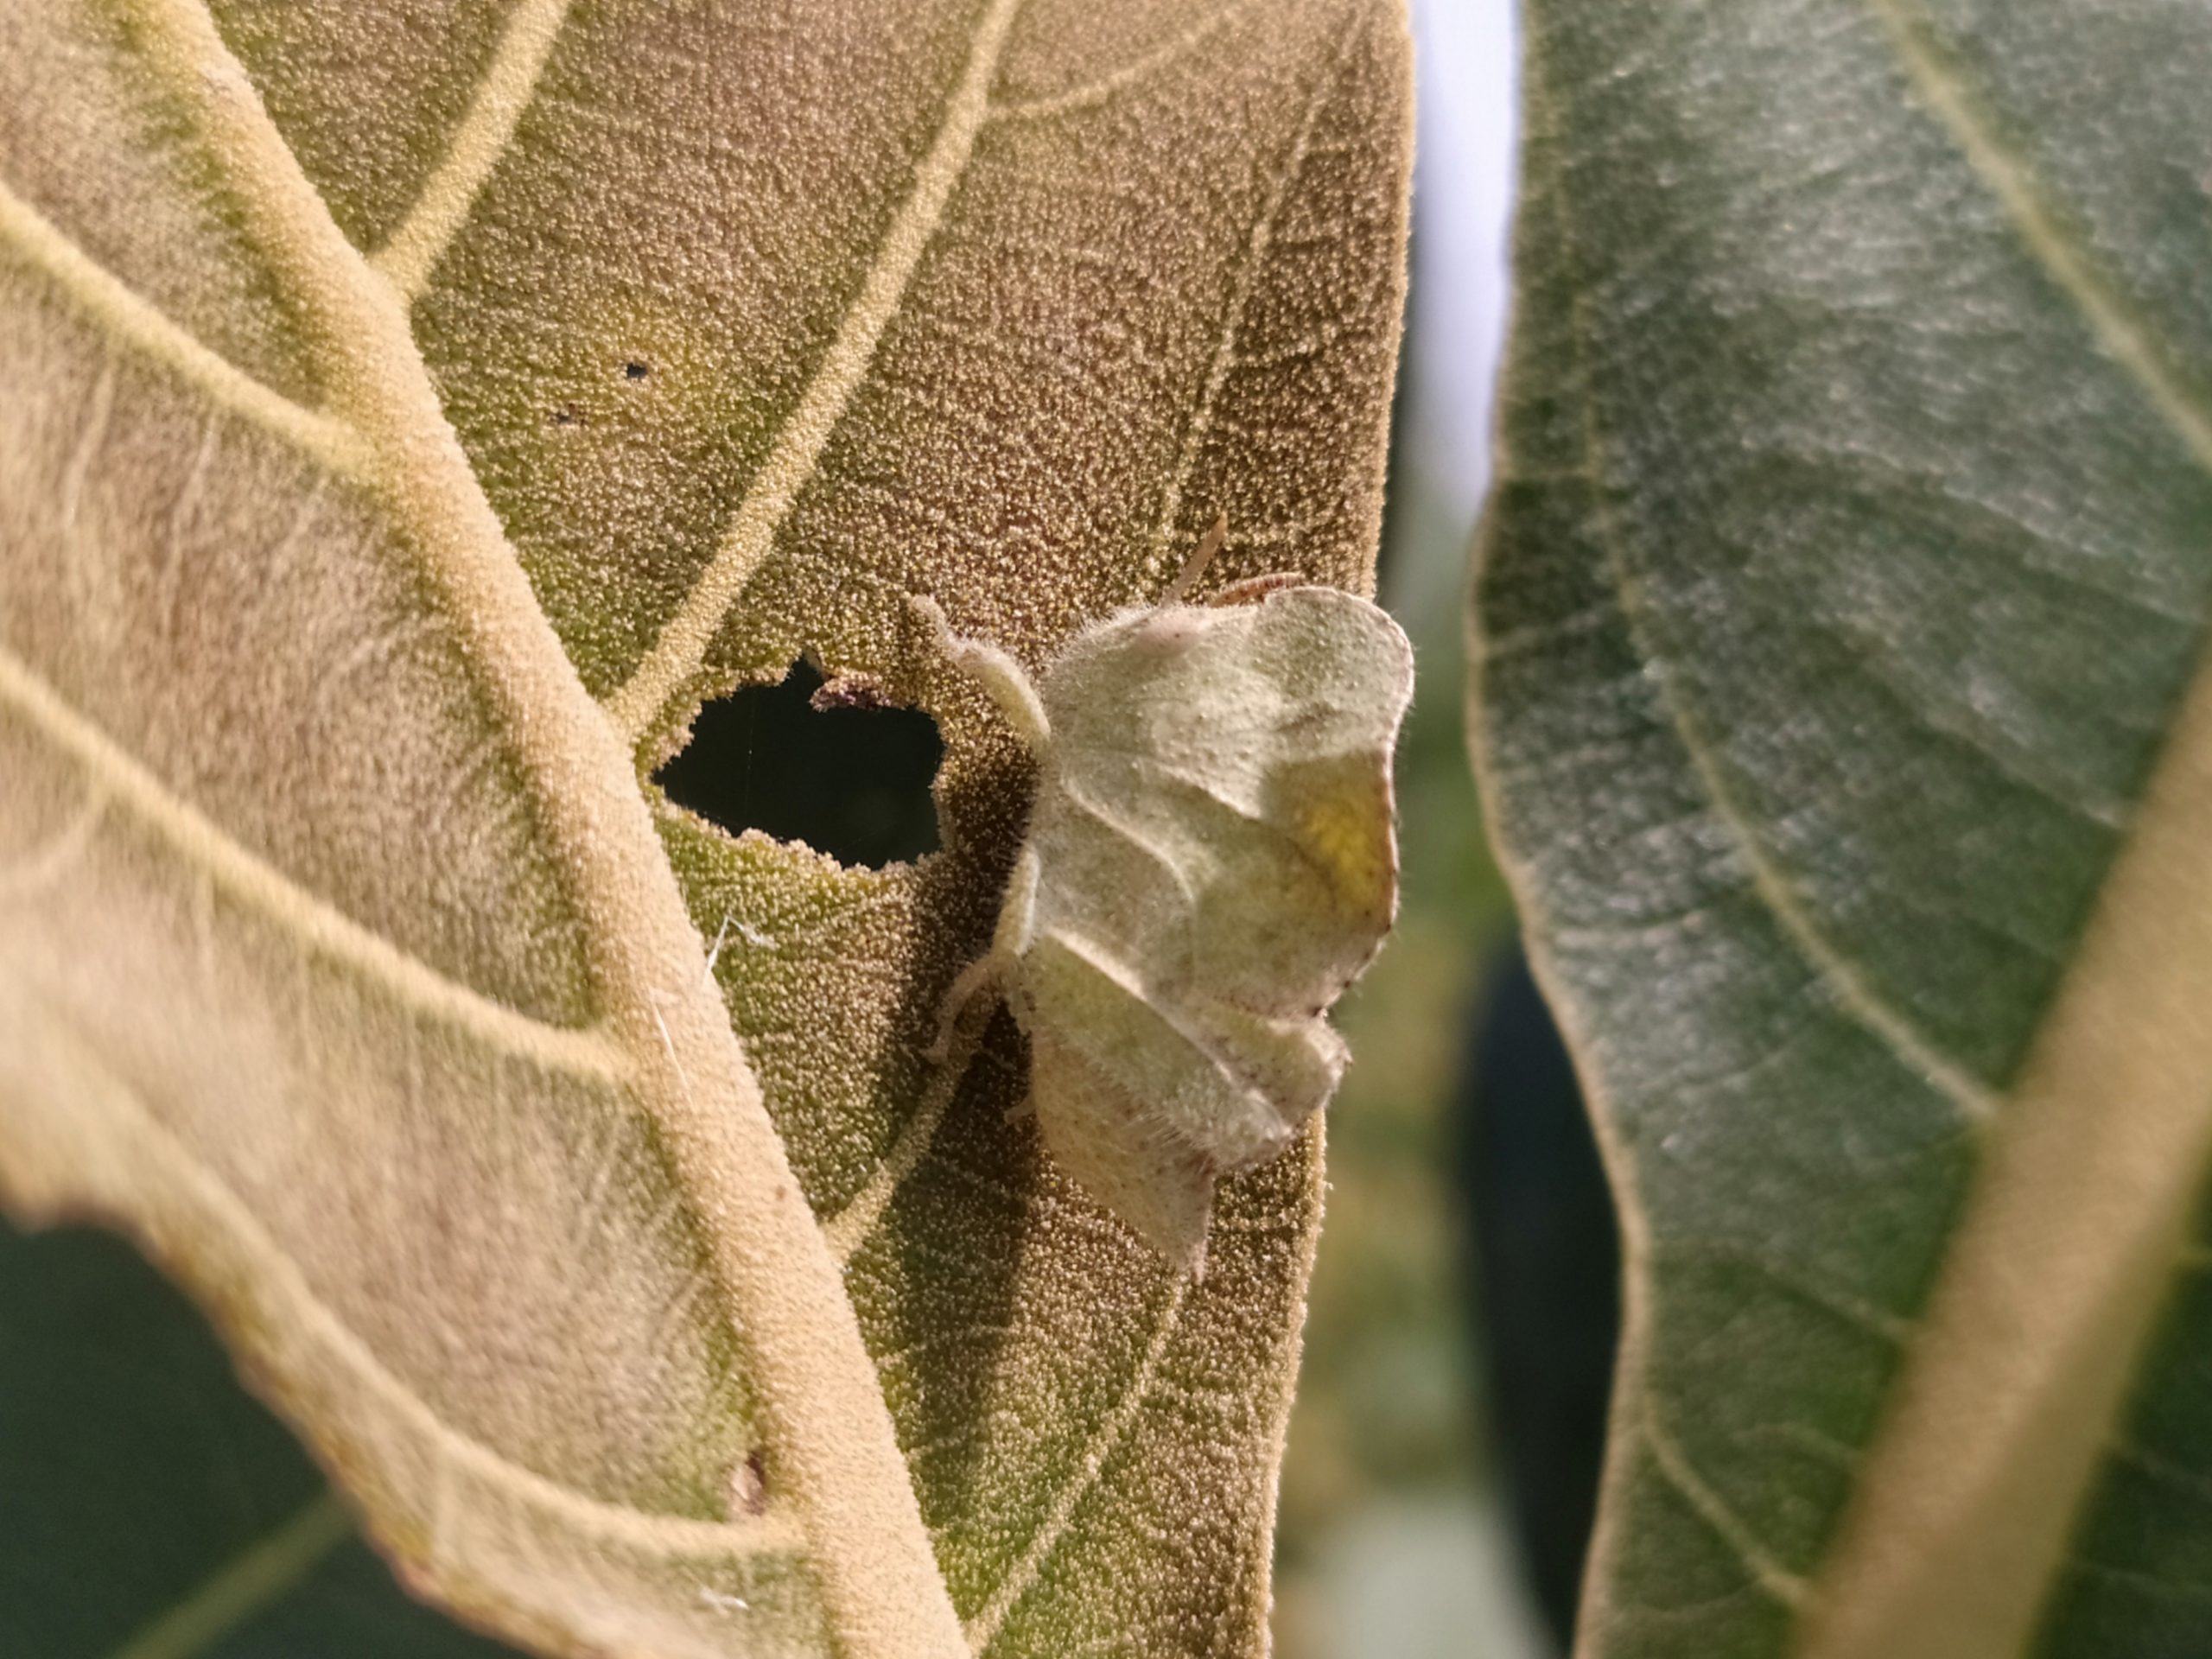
{"points": [[826, 765], [634, 369], [565, 416], [749, 1485]]}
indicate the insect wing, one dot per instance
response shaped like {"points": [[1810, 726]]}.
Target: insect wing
{"points": [[1249, 749], [1213, 827], [1131, 1105]]}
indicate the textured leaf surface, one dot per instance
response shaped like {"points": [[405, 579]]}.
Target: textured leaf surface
{"points": [[1838, 657], [345, 958]]}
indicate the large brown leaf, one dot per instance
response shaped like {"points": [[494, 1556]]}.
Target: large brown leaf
{"points": [[414, 410]]}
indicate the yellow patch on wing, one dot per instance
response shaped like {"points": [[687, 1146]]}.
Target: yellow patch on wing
{"points": [[1344, 823]]}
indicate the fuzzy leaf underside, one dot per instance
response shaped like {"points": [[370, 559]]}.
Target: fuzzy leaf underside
{"points": [[749, 324], [1838, 695]]}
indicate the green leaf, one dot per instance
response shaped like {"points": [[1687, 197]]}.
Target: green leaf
{"points": [[154, 1511], [410, 419], [1838, 697]]}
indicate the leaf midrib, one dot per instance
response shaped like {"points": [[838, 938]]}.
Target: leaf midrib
{"points": [[826, 1414], [2078, 1218]]}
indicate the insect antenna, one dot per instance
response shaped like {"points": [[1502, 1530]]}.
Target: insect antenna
{"points": [[1195, 566]]}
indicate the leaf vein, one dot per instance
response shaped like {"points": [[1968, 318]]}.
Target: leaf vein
{"points": [[2109, 313], [1022, 1576], [1953, 722], [412, 251], [1103, 90], [1975, 1100], [2194, 1484], [286, 1301], [128, 316], [2147, 1585], [850, 1227], [1802, 1283], [256, 1576], [321, 928], [1769, 1576], [40, 869], [830, 1431], [682, 646], [1240, 295]]}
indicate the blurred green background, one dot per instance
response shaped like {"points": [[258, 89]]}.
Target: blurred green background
{"points": [[1394, 1540]]}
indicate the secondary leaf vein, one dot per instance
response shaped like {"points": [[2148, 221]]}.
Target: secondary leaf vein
{"points": [[1022, 1576], [2111, 315], [129, 317], [1103, 90], [1232, 323], [680, 649], [413, 250], [1676, 1470], [256, 1576], [850, 1227], [284, 1298], [1855, 998], [321, 928]]}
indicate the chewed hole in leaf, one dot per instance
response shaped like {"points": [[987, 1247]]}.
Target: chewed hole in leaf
{"points": [[814, 763]]}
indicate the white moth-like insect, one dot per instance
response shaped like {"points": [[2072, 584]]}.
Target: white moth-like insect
{"points": [[1210, 860]]}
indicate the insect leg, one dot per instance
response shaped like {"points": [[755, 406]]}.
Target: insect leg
{"points": [[1017, 924], [981, 975], [995, 672], [1195, 566], [1010, 938], [1018, 910]]}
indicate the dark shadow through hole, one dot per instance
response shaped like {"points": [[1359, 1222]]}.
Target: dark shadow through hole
{"points": [[849, 781]]}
